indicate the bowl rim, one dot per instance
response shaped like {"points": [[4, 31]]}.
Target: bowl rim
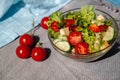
{"points": [[110, 46]]}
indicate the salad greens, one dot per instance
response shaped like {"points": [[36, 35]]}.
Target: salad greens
{"points": [[87, 15], [53, 33], [57, 16]]}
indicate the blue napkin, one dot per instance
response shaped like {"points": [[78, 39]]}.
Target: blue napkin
{"points": [[15, 19], [115, 2]]}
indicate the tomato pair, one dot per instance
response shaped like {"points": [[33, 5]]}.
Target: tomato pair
{"points": [[75, 39], [54, 24], [25, 41], [24, 49]]}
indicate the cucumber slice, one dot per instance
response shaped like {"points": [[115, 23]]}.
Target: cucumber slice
{"points": [[108, 34], [63, 45], [56, 41], [64, 38]]}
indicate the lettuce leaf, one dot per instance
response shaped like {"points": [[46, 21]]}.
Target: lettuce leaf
{"points": [[56, 16], [87, 15], [52, 33]]}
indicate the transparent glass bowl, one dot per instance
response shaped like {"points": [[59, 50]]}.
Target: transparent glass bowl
{"points": [[92, 56]]}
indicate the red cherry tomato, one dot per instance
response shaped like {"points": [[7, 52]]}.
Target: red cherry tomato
{"points": [[38, 54], [74, 37], [54, 26], [23, 51], [43, 22], [26, 39], [82, 48]]}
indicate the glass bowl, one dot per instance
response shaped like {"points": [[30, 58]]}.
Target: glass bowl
{"points": [[92, 56]]}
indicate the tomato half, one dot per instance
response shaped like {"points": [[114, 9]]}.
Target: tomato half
{"points": [[54, 26], [43, 22], [74, 37], [82, 48], [69, 23], [94, 28], [103, 27], [23, 51], [38, 54]]}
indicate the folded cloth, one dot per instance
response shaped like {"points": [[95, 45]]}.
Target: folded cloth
{"points": [[5, 5], [115, 2], [18, 19]]}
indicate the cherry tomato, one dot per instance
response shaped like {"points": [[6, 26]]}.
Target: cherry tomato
{"points": [[54, 26], [74, 37], [23, 51], [43, 22], [82, 48], [26, 39], [38, 54]]}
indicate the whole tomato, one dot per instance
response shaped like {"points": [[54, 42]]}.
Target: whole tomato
{"points": [[23, 51], [43, 22], [38, 54], [26, 39]]}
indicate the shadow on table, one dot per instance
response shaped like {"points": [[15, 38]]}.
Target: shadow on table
{"points": [[48, 53], [114, 50], [15, 8]]}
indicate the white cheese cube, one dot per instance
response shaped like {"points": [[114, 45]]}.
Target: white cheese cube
{"points": [[64, 31], [100, 17]]}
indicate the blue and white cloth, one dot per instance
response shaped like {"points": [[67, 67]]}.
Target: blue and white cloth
{"points": [[15, 19]]}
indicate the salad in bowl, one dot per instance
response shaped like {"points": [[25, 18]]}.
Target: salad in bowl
{"points": [[83, 34]]}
